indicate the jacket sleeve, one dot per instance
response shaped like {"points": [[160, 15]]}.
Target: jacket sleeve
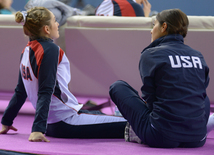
{"points": [[15, 103], [147, 72], [207, 78], [46, 81]]}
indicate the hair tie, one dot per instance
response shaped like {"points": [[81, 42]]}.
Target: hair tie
{"points": [[24, 13]]}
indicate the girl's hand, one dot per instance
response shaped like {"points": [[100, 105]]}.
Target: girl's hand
{"points": [[6, 128], [37, 137], [146, 8]]}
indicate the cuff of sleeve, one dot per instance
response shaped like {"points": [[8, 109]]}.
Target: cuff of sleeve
{"points": [[38, 129], [5, 122]]}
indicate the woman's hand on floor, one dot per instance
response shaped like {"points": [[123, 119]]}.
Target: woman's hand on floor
{"points": [[6, 128], [37, 137]]}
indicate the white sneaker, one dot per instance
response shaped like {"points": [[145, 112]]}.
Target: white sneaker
{"points": [[210, 123], [130, 135]]}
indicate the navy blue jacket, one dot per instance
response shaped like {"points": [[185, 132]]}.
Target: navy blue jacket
{"points": [[175, 78]]}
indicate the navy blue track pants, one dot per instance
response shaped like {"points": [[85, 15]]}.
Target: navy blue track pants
{"points": [[134, 109]]}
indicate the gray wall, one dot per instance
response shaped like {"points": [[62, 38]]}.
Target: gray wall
{"points": [[190, 7]]}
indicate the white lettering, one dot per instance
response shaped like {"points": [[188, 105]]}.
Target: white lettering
{"points": [[185, 61], [196, 61], [178, 65]]}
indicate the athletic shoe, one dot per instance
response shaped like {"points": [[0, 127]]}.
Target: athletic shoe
{"points": [[210, 123], [130, 135]]}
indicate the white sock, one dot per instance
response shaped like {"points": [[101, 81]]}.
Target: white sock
{"points": [[210, 123]]}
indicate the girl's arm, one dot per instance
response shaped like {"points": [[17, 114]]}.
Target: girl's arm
{"points": [[46, 80], [15, 104]]}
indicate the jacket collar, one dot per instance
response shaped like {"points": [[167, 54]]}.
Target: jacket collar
{"points": [[42, 39], [165, 39]]}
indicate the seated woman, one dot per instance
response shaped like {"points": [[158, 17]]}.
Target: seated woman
{"points": [[175, 107], [124, 8], [43, 78]]}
